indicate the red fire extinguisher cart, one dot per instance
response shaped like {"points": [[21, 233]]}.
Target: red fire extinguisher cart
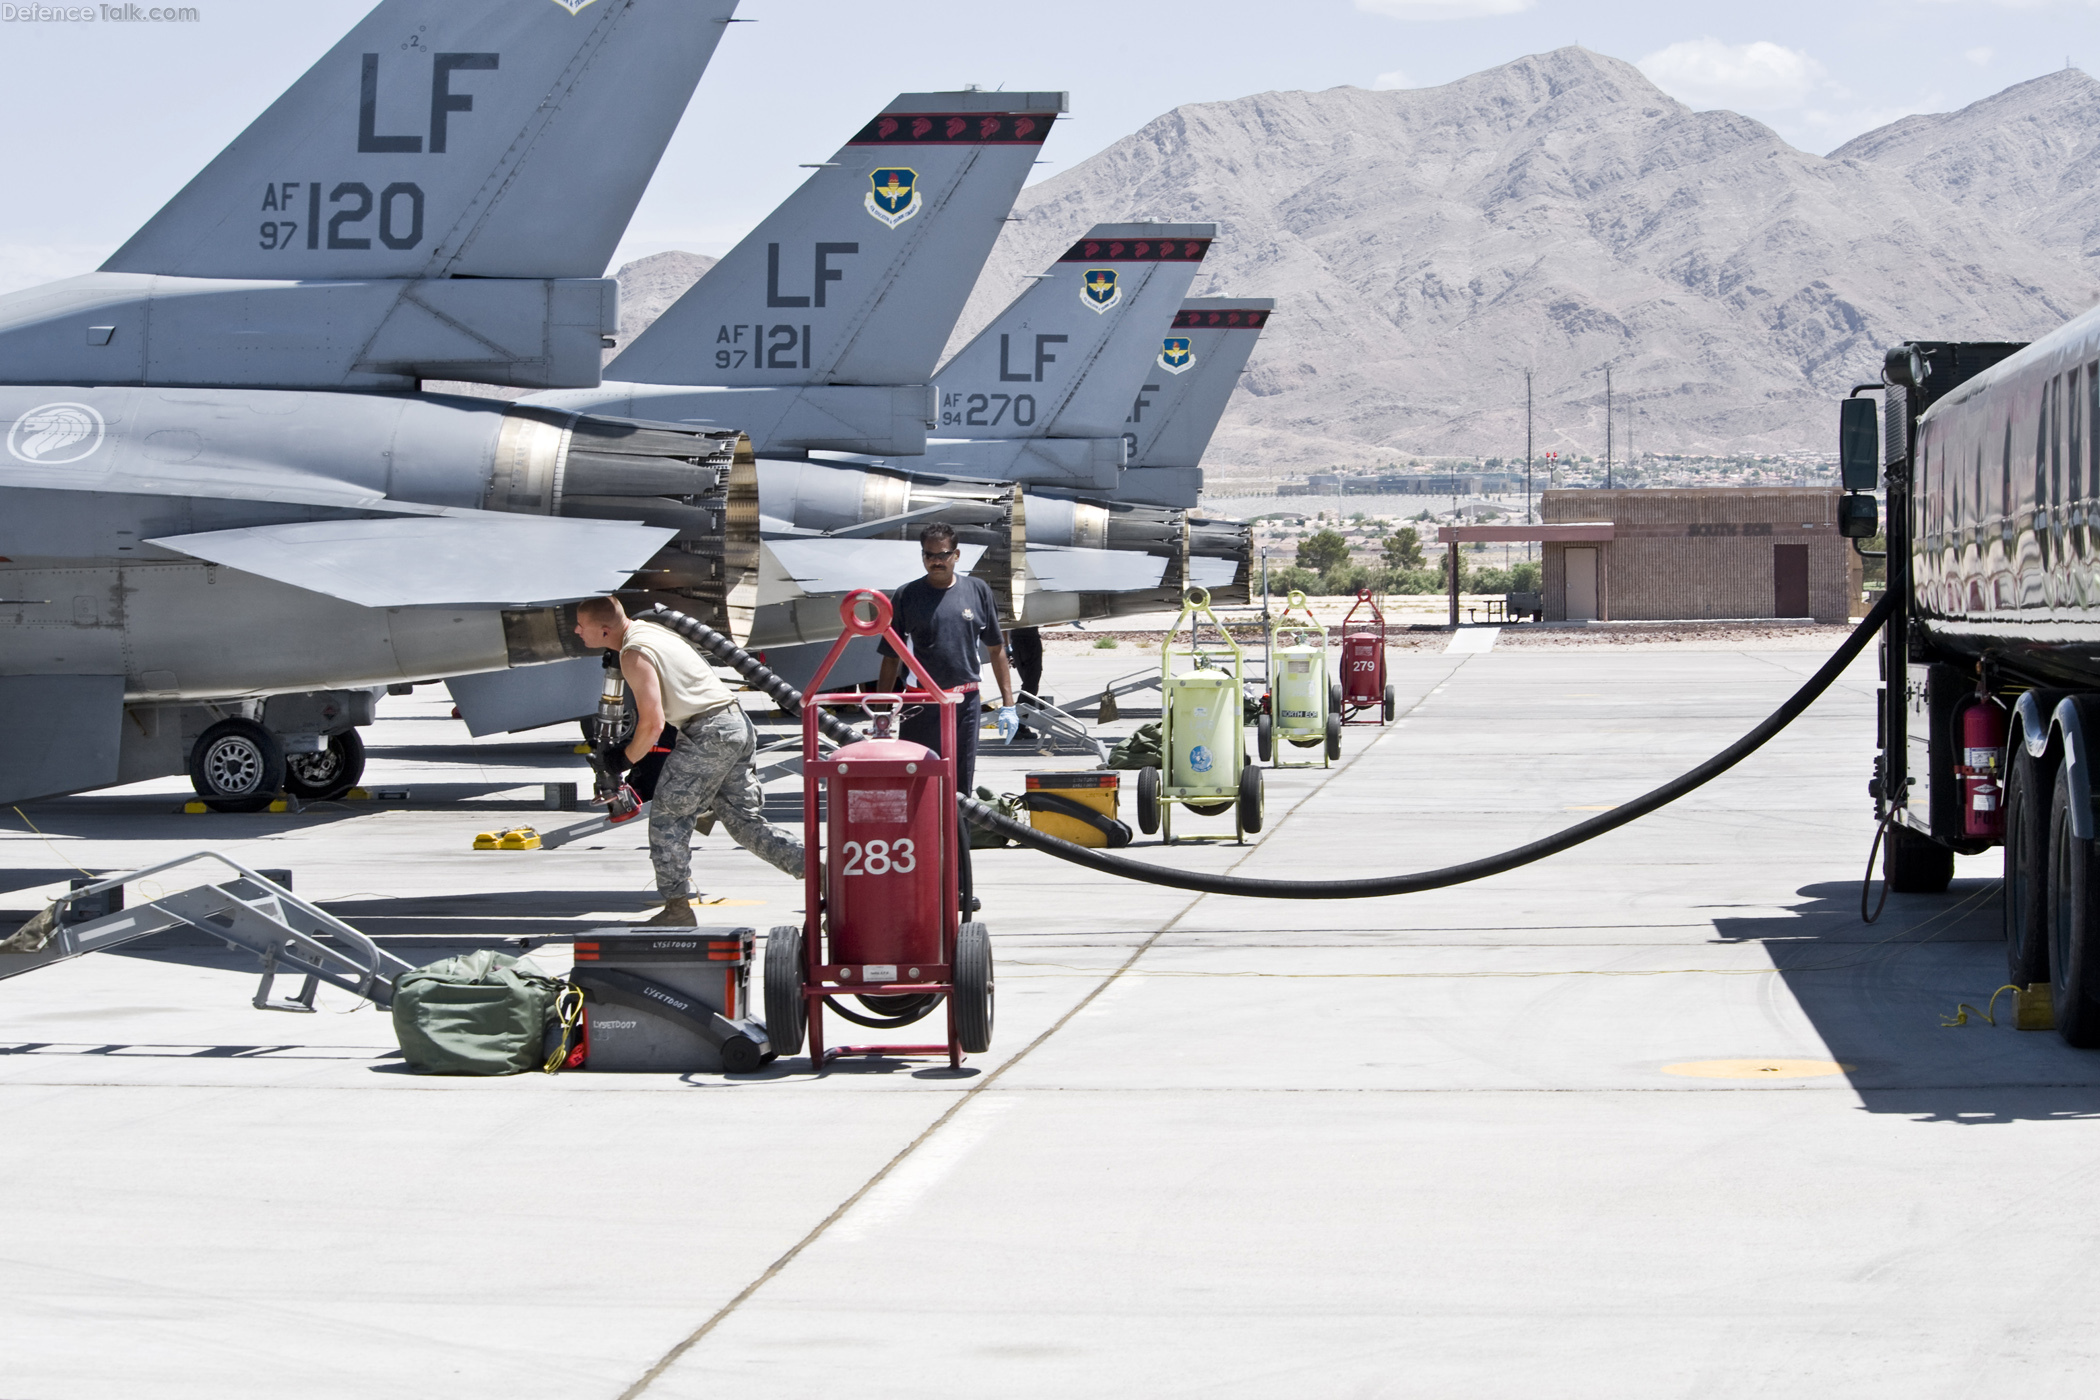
{"points": [[1364, 686], [882, 919]]}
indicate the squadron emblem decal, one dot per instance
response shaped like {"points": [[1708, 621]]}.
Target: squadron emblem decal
{"points": [[572, 6], [895, 197], [1174, 355], [53, 434], [1099, 288]]}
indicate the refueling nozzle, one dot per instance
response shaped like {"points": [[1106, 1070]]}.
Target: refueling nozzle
{"points": [[608, 760]]}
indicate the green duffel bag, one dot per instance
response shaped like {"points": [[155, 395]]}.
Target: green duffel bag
{"points": [[1140, 750], [485, 1013]]}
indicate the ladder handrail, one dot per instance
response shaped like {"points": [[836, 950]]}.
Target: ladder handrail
{"points": [[334, 925]]}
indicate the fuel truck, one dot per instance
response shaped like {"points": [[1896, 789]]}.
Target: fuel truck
{"points": [[1990, 657]]}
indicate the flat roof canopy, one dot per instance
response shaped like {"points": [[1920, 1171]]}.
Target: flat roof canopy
{"points": [[1519, 534]]}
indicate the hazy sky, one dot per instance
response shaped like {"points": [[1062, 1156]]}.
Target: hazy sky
{"points": [[103, 122]]}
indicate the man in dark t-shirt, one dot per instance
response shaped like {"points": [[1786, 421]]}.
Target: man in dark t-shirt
{"points": [[951, 625]]}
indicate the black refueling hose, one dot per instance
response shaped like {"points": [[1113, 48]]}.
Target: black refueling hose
{"points": [[1376, 886]]}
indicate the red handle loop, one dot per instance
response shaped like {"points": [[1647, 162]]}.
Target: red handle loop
{"points": [[878, 604]]}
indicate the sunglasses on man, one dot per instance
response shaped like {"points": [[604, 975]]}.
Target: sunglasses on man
{"points": [[933, 558]]}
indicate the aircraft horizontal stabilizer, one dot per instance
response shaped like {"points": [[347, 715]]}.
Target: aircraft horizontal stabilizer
{"points": [[455, 560], [1070, 570], [840, 566], [1212, 574]]}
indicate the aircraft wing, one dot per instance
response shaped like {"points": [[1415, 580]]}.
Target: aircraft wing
{"points": [[235, 481], [461, 559], [1067, 569]]}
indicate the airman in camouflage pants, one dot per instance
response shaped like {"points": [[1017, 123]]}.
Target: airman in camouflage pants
{"points": [[707, 778]]}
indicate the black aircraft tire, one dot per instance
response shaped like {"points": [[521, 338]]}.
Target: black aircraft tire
{"points": [[327, 775], [1148, 801], [2074, 925], [1264, 737], [2026, 901], [787, 1014], [237, 766], [1251, 796], [1914, 864], [1334, 738], [974, 988]]}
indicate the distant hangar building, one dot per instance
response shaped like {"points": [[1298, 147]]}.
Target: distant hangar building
{"points": [[1709, 553]]}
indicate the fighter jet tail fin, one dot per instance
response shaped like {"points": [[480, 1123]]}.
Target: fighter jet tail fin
{"points": [[1062, 360], [859, 277], [1199, 364], [447, 138]]}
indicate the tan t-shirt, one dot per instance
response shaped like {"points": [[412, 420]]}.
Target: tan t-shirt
{"points": [[690, 687]]}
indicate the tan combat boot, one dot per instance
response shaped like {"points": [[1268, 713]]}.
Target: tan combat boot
{"points": [[676, 913]]}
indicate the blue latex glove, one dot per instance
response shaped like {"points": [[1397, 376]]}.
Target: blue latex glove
{"points": [[1008, 722]]}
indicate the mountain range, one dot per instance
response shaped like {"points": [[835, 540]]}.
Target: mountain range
{"points": [[1562, 214]]}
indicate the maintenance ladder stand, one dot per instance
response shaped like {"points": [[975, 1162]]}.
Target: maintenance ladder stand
{"points": [[248, 911]]}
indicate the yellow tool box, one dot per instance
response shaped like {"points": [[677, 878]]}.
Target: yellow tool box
{"points": [[1096, 790]]}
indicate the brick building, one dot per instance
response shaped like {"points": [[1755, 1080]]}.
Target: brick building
{"points": [[1722, 552]]}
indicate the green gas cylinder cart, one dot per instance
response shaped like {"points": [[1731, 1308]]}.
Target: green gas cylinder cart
{"points": [[1302, 710], [1202, 729]]}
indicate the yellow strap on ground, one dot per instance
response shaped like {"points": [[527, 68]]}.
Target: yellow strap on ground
{"points": [[1962, 1009]]}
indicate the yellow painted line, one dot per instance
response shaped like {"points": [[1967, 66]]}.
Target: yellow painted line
{"points": [[1756, 1069]]}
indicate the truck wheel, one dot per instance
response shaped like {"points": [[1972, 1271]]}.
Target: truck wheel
{"points": [[1391, 707], [1148, 801], [2074, 943], [327, 775], [1250, 797], [973, 988], [237, 766], [2026, 899], [1914, 864], [1264, 737], [1334, 738], [787, 1014]]}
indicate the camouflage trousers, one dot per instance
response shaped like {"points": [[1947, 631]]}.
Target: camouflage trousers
{"points": [[709, 778]]}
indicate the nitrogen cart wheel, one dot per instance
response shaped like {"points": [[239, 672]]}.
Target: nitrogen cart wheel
{"points": [[1250, 796], [237, 766], [1334, 738], [327, 775], [2026, 900], [1148, 801], [1914, 864], [1264, 737], [1391, 705], [787, 1014], [2074, 939], [973, 988], [1334, 697]]}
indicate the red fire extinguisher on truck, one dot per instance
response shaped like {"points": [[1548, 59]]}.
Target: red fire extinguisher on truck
{"points": [[1980, 728]]}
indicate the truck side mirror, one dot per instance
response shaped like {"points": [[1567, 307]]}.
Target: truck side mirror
{"points": [[1859, 517], [1859, 444]]}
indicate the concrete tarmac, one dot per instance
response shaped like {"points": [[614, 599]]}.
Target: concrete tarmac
{"points": [[1660, 1116]]}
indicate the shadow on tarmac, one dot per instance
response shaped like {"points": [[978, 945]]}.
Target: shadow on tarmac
{"points": [[1878, 995]]}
